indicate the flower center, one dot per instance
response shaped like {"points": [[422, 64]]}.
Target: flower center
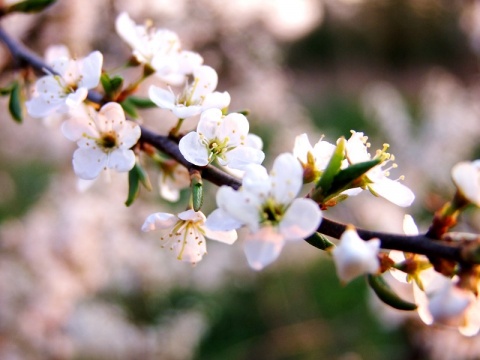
{"points": [[108, 140], [272, 212]]}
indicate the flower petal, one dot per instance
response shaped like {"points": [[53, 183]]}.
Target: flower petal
{"points": [[263, 247], [193, 150], [286, 177], [90, 70], [159, 221], [162, 98], [393, 191], [121, 160], [88, 163], [301, 219]]}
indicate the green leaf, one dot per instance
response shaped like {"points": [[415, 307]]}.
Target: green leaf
{"points": [[347, 176], [129, 108], [387, 295], [319, 241], [142, 103], [143, 176], [112, 86], [133, 186], [333, 167], [15, 104], [30, 6]]}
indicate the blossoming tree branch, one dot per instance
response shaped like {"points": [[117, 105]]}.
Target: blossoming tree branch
{"points": [[99, 112]]}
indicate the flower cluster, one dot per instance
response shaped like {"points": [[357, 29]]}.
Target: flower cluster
{"points": [[268, 204]]}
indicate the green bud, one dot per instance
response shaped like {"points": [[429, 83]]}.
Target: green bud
{"points": [[320, 241], [112, 86], [197, 190]]}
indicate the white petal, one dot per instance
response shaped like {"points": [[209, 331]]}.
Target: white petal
{"points": [[159, 221], [221, 220], [162, 98], [467, 179], [88, 163], [227, 237], [39, 108], [263, 247], [354, 257], [301, 147], [121, 160], [210, 123], [216, 100], [191, 215], [393, 191], [240, 205], [183, 112], [77, 127], [254, 141], [235, 126], [301, 219], [75, 99], [55, 52], [257, 181], [242, 156], [286, 177], [205, 81], [128, 134], [409, 226], [91, 69], [193, 150]]}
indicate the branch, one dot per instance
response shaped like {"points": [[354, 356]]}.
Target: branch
{"points": [[420, 244]]}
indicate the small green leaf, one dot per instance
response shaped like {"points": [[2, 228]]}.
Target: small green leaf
{"points": [[142, 103], [133, 186], [333, 167], [387, 295], [112, 86], [15, 104], [30, 6], [319, 241], [347, 176], [129, 108], [143, 176]]}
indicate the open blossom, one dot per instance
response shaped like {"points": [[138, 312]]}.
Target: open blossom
{"points": [[378, 181], [267, 205], [159, 48], [185, 233], [315, 158], [195, 98], [466, 176], [221, 138], [68, 87], [354, 257], [104, 140]]}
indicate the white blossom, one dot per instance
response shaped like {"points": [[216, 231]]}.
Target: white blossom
{"points": [[104, 140], [159, 48], [172, 178], [195, 98], [221, 138], [267, 205], [466, 176], [185, 233], [354, 257], [378, 182], [68, 87], [320, 153]]}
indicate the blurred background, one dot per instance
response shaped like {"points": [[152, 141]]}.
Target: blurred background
{"points": [[78, 280]]}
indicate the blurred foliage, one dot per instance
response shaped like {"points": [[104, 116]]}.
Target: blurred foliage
{"points": [[23, 185], [395, 34], [295, 313]]}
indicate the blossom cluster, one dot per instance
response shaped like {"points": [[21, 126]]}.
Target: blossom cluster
{"points": [[271, 205]]}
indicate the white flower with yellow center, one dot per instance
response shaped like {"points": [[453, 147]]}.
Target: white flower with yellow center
{"points": [[377, 180], [159, 48], [184, 234], [195, 98], [221, 138], [267, 205], [68, 88], [104, 140]]}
